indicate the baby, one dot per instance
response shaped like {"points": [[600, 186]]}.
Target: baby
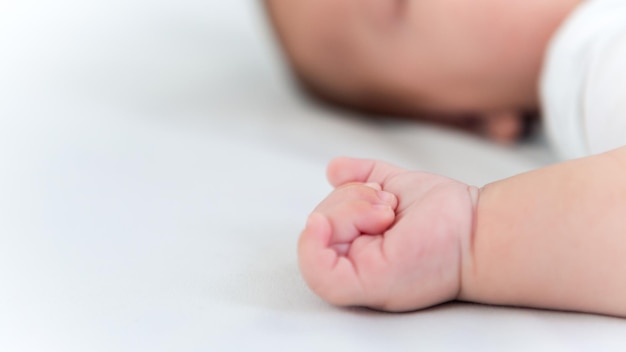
{"points": [[453, 60], [396, 240]]}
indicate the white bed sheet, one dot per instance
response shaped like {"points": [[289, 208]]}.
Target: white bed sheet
{"points": [[157, 167]]}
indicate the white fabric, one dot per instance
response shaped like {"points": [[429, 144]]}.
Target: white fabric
{"points": [[156, 169], [584, 80]]}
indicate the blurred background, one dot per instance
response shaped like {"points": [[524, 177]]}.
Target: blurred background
{"points": [[156, 167]]}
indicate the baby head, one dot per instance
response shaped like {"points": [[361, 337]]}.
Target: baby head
{"points": [[446, 58]]}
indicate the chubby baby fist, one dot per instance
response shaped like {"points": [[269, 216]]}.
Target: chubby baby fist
{"points": [[387, 238]]}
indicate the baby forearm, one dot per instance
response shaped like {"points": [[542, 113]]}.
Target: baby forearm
{"points": [[553, 238]]}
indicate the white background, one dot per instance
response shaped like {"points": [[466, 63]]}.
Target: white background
{"points": [[156, 168]]}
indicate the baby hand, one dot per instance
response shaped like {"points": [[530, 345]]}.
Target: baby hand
{"points": [[387, 238]]}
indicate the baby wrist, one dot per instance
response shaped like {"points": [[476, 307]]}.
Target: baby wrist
{"points": [[474, 193], [467, 241]]}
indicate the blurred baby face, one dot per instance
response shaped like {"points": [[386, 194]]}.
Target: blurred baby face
{"points": [[421, 56]]}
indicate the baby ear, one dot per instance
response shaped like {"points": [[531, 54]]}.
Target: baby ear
{"points": [[505, 126]]}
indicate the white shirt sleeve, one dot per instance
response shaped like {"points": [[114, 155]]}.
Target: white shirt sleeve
{"points": [[583, 84]]}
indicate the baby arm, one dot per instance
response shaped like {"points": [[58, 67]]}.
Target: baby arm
{"points": [[553, 238]]}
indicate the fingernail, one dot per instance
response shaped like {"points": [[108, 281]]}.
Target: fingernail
{"points": [[386, 197], [373, 185]]}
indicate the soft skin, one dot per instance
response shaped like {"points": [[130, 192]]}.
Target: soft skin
{"points": [[446, 60], [553, 238], [398, 240], [387, 238]]}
